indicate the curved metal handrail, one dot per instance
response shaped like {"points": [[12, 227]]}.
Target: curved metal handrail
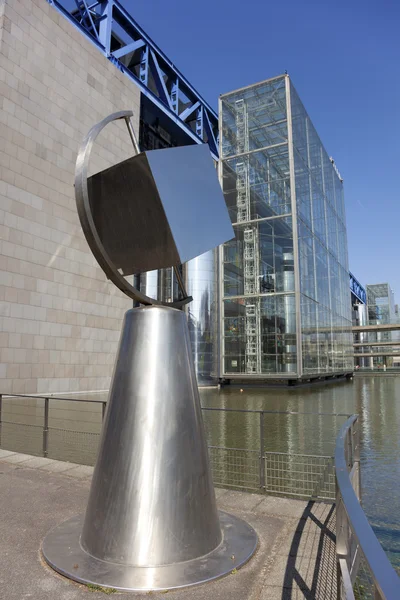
{"points": [[386, 580]]}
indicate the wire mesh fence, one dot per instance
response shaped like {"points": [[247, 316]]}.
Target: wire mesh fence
{"points": [[363, 586], [73, 446], [299, 475], [364, 570], [235, 468], [22, 437], [68, 429]]}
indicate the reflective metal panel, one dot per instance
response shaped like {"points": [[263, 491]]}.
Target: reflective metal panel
{"points": [[86, 207], [151, 521], [191, 195], [160, 506], [149, 211], [129, 217], [159, 209], [149, 283], [201, 283], [63, 552]]}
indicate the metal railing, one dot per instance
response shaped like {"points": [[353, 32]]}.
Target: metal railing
{"points": [[252, 465], [49, 441], [364, 571]]}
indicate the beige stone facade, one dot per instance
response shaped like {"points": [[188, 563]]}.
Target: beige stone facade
{"points": [[59, 316]]}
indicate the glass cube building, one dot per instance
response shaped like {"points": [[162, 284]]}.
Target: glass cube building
{"points": [[380, 302], [284, 282], [381, 311]]}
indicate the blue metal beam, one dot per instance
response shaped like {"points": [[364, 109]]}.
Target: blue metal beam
{"points": [[189, 111], [144, 67], [357, 289], [199, 121], [128, 48], [175, 95], [157, 102], [159, 80], [161, 54], [75, 23], [86, 16], [212, 142], [105, 25], [96, 22]]}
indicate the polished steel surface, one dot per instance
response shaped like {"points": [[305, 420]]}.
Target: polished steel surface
{"points": [[130, 218], [157, 209], [160, 505], [86, 217], [149, 283], [63, 552], [152, 501], [355, 539], [191, 196], [203, 321]]}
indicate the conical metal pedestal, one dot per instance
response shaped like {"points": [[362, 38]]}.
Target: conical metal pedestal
{"points": [[151, 521]]}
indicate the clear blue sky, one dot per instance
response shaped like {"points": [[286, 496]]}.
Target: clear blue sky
{"points": [[344, 60]]}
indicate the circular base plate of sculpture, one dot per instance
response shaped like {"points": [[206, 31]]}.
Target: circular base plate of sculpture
{"points": [[62, 551]]}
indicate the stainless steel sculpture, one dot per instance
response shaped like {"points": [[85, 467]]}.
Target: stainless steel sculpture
{"points": [[151, 521]]}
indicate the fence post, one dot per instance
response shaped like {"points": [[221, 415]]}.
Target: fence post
{"points": [[340, 549], [103, 410], [46, 427], [349, 457], [262, 466], [356, 456]]}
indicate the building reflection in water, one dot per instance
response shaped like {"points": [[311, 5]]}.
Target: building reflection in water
{"points": [[374, 398], [201, 284]]}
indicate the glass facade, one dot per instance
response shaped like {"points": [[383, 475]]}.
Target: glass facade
{"points": [[284, 278], [380, 311], [380, 302]]}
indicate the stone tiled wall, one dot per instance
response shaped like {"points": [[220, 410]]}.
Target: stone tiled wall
{"points": [[60, 318]]}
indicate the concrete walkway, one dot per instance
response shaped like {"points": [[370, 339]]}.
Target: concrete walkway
{"points": [[295, 558]]}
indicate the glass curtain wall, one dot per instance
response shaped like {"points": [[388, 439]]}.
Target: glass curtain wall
{"points": [[285, 305], [325, 306], [258, 305], [381, 311], [380, 301]]}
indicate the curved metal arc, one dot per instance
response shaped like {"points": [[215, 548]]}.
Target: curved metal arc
{"points": [[385, 577], [86, 218]]}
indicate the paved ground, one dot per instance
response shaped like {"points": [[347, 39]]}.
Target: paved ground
{"points": [[295, 559]]}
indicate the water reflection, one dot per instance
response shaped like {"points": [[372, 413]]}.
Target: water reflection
{"points": [[376, 399], [303, 434]]}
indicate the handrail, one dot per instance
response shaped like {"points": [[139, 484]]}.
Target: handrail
{"points": [[51, 397], [308, 478], [351, 520], [210, 408]]}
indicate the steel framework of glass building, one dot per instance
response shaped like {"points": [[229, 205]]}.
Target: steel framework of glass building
{"points": [[381, 311], [380, 302], [284, 279]]}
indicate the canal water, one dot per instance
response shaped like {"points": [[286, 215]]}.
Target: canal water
{"points": [[323, 406], [375, 399]]}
